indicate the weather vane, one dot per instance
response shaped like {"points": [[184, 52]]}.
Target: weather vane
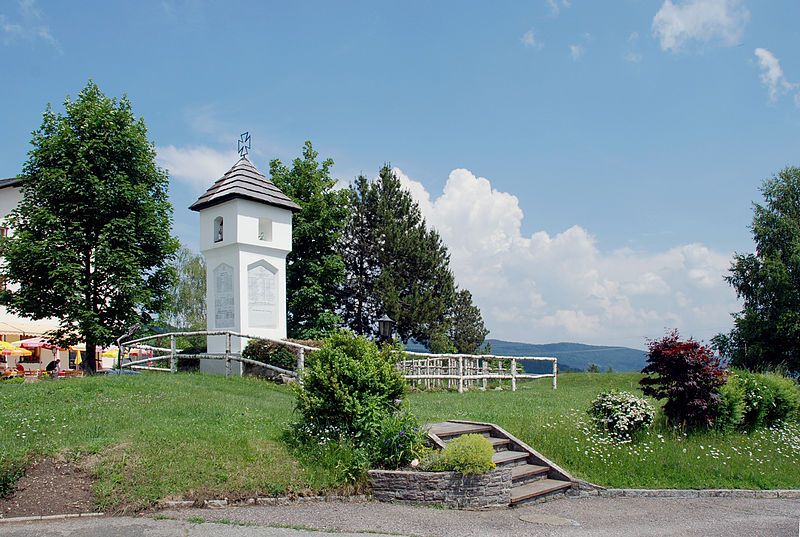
{"points": [[244, 144]]}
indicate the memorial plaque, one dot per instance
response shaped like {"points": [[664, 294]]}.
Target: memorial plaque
{"points": [[262, 296], [224, 310]]}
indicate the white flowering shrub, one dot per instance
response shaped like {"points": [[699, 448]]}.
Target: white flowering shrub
{"points": [[622, 413]]}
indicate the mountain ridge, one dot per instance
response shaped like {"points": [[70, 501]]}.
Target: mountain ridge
{"points": [[575, 356]]}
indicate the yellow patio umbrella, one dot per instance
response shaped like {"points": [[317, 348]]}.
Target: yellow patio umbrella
{"points": [[6, 345], [78, 358], [16, 352]]}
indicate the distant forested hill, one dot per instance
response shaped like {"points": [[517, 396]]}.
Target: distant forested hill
{"points": [[573, 355], [576, 356]]}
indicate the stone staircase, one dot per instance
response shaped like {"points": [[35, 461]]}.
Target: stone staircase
{"points": [[533, 476]]}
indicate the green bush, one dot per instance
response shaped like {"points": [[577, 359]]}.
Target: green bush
{"points": [[270, 353], [765, 399], [349, 386], [622, 413], [467, 454], [400, 440], [730, 410]]}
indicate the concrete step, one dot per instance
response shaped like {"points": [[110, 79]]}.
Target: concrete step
{"points": [[448, 429], [526, 473], [537, 489], [509, 458], [500, 444]]}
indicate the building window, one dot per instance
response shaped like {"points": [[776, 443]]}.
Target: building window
{"points": [[265, 229], [218, 229]]}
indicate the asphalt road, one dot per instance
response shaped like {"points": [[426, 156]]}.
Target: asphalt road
{"points": [[567, 517]]}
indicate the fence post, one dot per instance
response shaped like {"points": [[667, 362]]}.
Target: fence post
{"points": [[485, 372], [228, 355], [460, 374], [173, 361], [555, 373], [301, 362], [500, 374], [513, 374]]}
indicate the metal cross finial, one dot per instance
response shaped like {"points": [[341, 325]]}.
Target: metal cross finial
{"points": [[244, 144]]}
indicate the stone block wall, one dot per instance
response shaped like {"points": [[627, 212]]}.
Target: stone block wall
{"points": [[450, 489]]}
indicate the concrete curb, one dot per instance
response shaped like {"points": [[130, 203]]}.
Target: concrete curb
{"points": [[271, 501], [49, 517], [685, 493]]}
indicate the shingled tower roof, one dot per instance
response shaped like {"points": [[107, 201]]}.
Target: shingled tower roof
{"points": [[243, 180]]}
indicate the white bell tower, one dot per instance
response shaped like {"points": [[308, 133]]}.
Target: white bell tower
{"points": [[245, 234]]}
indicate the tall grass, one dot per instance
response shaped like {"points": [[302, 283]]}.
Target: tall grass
{"points": [[555, 422]]}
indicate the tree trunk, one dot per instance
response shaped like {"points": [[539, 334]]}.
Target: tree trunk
{"points": [[89, 363]]}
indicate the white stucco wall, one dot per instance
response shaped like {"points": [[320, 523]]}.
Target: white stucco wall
{"points": [[258, 269]]}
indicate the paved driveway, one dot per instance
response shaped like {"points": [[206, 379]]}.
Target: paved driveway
{"points": [[596, 517]]}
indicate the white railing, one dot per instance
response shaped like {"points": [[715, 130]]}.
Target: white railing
{"points": [[173, 353], [432, 370], [467, 369]]}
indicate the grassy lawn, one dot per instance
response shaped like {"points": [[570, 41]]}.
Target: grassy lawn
{"points": [[156, 436], [555, 423]]}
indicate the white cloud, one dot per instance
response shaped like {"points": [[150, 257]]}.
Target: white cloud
{"points": [[633, 57], [29, 28], [529, 40], [555, 5], [545, 288], [772, 75], [575, 52], [197, 166], [699, 20]]}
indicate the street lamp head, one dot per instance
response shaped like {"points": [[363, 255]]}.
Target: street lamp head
{"points": [[386, 328]]}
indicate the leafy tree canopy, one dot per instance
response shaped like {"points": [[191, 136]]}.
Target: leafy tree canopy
{"points": [[766, 333], [314, 267], [91, 241], [185, 308]]}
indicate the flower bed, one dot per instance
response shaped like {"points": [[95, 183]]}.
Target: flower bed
{"points": [[448, 489]]}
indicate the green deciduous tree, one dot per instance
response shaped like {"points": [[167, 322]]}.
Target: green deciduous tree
{"points": [[314, 267], [186, 304], [394, 263], [91, 244], [766, 333]]}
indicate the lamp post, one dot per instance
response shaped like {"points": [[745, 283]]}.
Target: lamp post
{"points": [[386, 328]]}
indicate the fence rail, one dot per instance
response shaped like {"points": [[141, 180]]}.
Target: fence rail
{"points": [[429, 370], [467, 369]]}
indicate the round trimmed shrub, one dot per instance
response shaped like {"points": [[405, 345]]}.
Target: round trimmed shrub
{"points": [[349, 386], [467, 454], [622, 413]]}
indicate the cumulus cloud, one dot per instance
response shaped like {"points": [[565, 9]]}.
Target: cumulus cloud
{"points": [[197, 166], [699, 20], [772, 75], [562, 287], [575, 52], [529, 40]]}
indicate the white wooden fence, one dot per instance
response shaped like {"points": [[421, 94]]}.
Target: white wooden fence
{"points": [[466, 370], [421, 369]]}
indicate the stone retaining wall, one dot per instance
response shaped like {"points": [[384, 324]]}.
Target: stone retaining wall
{"points": [[449, 489]]}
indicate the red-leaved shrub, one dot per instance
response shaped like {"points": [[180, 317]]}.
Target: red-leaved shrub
{"points": [[687, 375]]}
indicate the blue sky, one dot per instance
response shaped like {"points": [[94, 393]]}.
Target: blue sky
{"points": [[591, 165]]}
